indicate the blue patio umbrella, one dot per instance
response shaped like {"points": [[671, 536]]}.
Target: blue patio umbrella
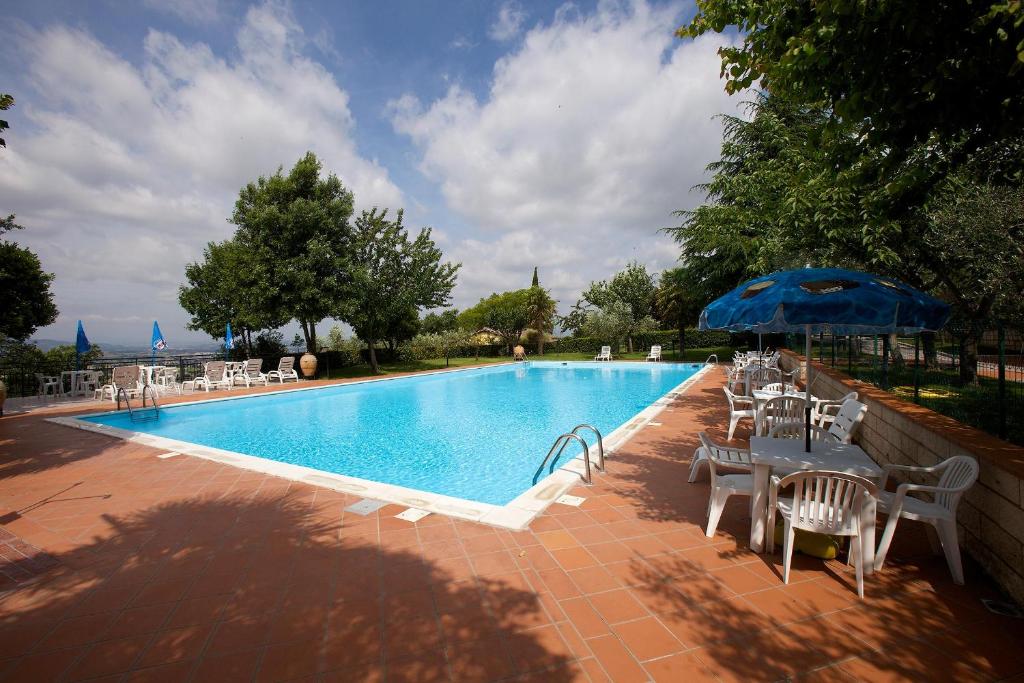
{"points": [[229, 341], [82, 344], [812, 300]]}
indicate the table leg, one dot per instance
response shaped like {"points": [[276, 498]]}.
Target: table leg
{"points": [[867, 535], [759, 507]]}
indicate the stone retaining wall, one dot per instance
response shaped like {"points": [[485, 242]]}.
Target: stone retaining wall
{"points": [[991, 517]]}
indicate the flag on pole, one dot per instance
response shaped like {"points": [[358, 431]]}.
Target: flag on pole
{"points": [[229, 341], [158, 342], [82, 344]]}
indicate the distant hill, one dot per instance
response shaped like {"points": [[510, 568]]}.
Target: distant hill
{"points": [[111, 349]]}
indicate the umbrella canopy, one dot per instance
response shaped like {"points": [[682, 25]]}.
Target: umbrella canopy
{"points": [[827, 300], [82, 344], [812, 300]]}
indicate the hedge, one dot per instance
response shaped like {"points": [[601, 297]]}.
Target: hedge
{"points": [[695, 339]]}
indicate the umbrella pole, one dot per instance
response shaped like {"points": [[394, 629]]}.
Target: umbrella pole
{"points": [[807, 390]]}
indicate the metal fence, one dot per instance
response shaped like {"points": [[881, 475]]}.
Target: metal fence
{"points": [[974, 376]]}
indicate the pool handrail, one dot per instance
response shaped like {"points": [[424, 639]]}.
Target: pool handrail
{"points": [[714, 355], [563, 441], [600, 443]]}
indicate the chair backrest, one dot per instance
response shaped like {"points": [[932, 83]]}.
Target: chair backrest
{"points": [[784, 409], [850, 415], [758, 377], [215, 370], [252, 367], [286, 364], [723, 455], [958, 474], [795, 430], [774, 386], [126, 377], [606, 351], [656, 350], [828, 502], [731, 397]]}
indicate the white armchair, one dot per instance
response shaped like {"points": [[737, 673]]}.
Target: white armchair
{"points": [[739, 408]]}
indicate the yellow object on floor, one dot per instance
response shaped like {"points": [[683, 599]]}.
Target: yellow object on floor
{"points": [[815, 545]]}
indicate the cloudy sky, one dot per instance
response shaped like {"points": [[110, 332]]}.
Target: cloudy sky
{"points": [[525, 133]]}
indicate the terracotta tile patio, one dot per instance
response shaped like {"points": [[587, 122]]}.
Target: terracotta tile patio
{"points": [[135, 568]]}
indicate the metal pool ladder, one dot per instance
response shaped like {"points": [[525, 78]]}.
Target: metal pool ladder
{"points": [[143, 415], [564, 440]]}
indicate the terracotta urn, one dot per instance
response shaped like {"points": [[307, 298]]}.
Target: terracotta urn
{"points": [[308, 365]]}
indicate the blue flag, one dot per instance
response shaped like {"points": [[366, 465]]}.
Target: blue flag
{"points": [[229, 340], [158, 343], [82, 344]]}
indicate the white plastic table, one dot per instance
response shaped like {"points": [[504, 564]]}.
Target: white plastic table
{"points": [[788, 454], [148, 372], [761, 397], [74, 383]]}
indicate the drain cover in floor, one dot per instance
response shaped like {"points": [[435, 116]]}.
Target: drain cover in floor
{"points": [[412, 514], [575, 501], [365, 506], [168, 454]]}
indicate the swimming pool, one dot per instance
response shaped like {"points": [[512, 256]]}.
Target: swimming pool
{"points": [[476, 434]]}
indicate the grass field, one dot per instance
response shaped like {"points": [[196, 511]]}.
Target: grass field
{"points": [[692, 355]]}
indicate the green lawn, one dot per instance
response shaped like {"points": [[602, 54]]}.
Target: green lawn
{"points": [[692, 355]]}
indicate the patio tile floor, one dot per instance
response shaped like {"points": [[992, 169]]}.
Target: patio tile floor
{"points": [[118, 565]]}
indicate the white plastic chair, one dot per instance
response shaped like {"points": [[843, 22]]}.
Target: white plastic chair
{"points": [[782, 409], [250, 373], [606, 353], [847, 420], [825, 411], [957, 474], [655, 353], [795, 430], [759, 377], [738, 413], [774, 386], [49, 385], [724, 486], [214, 376], [823, 503], [285, 370]]}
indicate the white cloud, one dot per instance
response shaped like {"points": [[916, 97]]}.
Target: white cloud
{"points": [[592, 133], [125, 171], [191, 11], [508, 23]]}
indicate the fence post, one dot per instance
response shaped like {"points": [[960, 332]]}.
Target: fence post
{"points": [[821, 348], [1002, 380], [850, 341], [833, 350], [917, 377], [885, 361]]}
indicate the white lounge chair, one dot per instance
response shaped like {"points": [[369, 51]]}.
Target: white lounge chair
{"points": [[127, 377], [250, 373], [957, 474], [606, 353], [830, 503], [285, 371], [655, 353], [214, 377]]}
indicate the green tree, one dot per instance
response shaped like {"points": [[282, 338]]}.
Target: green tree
{"points": [[296, 227], [6, 102], [403, 327], [543, 311], [27, 302], [615, 323], [390, 275], [536, 279], [896, 70], [677, 303], [575, 320], [444, 321], [633, 287], [230, 285], [508, 314]]}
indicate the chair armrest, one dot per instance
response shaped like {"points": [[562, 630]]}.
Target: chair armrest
{"points": [[886, 469], [743, 399]]}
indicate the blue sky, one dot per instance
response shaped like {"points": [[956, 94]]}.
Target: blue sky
{"points": [[549, 134]]}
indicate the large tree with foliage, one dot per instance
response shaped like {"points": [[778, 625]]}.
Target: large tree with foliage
{"points": [[27, 302], [633, 288], [543, 312], [297, 228], [6, 102], [443, 321], [391, 275], [231, 285], [677, 302], [508, 314], [949, 73]]}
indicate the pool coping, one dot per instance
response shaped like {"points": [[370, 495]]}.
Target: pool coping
{"points": [[515, 515]]}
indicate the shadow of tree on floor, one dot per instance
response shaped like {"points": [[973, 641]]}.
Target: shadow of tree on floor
{"points": [[270, 587]]}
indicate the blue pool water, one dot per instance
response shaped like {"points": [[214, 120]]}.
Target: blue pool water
{"points": [[476, 434]]}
